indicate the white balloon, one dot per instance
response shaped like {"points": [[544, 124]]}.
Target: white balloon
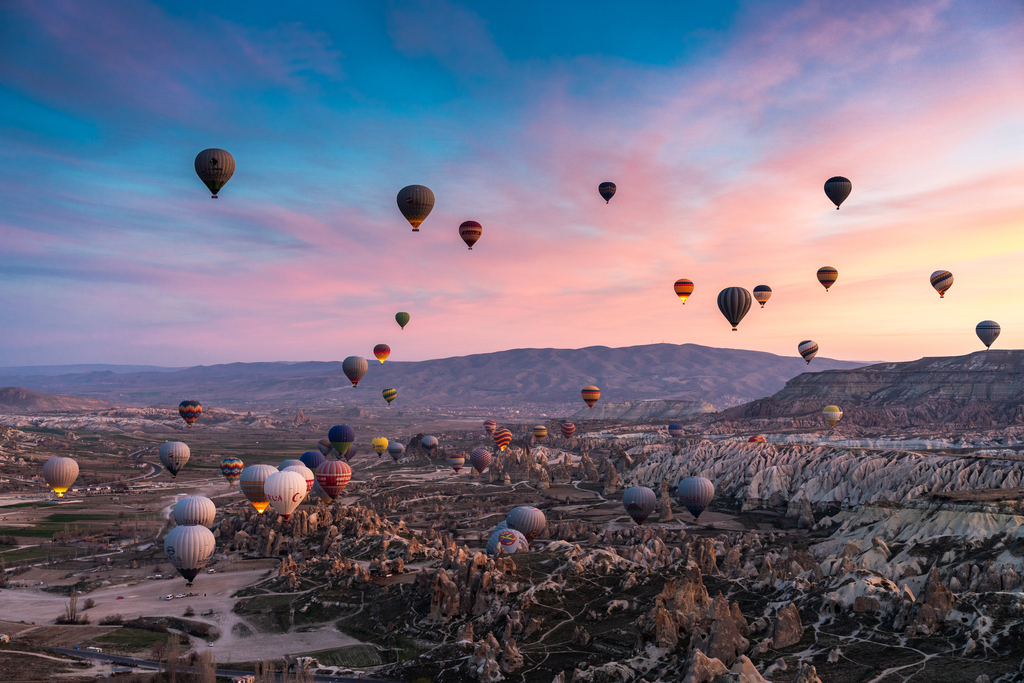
{"points": [[285, 490], [198, 510]]}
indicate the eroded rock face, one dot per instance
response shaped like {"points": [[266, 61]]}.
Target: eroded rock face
{"points": [[701, 669], [786, 628]]}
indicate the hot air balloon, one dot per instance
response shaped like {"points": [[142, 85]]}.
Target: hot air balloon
{"points": [[253, 478], [380, 444], [833, 414], [285, 490], [402, 318], [306, 473], [639, 502], [607, 191], [568, 429], [215, 168], [827, 276], [808, 349], [381, 352], [509, 540], [502, 437], [941, 280], [325, 447], [194, 510], [341, 437], [231, 468], [683, 289], [312, 459], [389, 394], [415, 203], [333, 476], [456, 462], [590, 394], [529, 521], [987, 331], [757, 438], [173, 456], [695, 493], [351, 452], [489, 426], [190, 412], [540, 432], [320, 494], [354, 368], [675, 430], [429, 443], [734, 302], [395, 450], [838, 188], [60, 474], [470, 232], [285, 464], [480, 459], [189, 548], [762, 293]]}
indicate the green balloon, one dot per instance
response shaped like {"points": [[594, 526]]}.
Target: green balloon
{"points": [[402, 319]]}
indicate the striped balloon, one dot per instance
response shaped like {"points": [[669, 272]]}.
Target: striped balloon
{"points": [[540, 432], [762, 293], [429, 443], [808, 349], [695, 493], [734, 302], [607, 190], [456, 462], [502, 437], [838, 188], [395, 450], [568, 429], [489, 426], [333, 476], [470, 232], [987, 331], [683, 288], [827, 276], [480, 459], [389, 394], [675, 429], [527, 520], [941, 280], [833, 414], [215, 168], [415, 202], [253, 478], [639, 502], [190, 411], [381, 352], [194, 510], [231, 468], [354, 368], [590, 394]]}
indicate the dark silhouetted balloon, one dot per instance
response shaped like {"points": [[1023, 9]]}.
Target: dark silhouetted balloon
{"points": [[734, 302], [402, 318], [354, 368], [470, 232], [838, 188], [607, 191], [827, 276], [639, 502], [987, 331], [695, 493], [415, 202], [215, 168]]}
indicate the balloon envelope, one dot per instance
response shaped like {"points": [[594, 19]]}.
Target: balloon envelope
{"points": [[389, 394], [381, 352], [402, 318], [253, 478], [640, 502], [568, 429], [173, 456], [762, 293], [941, 280], [189, 549], [429, 443], [833, 414], [285, 464], [306, 474], [590, 394], [757, 438], [827, 276], [987, 331], [312, 459], [539, 432], [838, 188], [527, 520], [333, 476], [808, 349], [480, 459], [285, 490], [734, 302], [470, 232], [341, 437], [190, 411], [380, 444], [675, 429], [415, 202], [509, 540], [194, 510], [395, 450], [231, 468], [60, 474], [695, 493], [683, 289], [325, 447], [215, 168], [456, 462], [502, 437], [607, 191], [489, 426], [354, 368]]}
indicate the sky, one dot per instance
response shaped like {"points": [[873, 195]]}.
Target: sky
{"points": [[719, 123]]}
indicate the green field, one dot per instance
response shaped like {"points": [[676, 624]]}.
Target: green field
{"points": [[353, 656], [130, 639]]}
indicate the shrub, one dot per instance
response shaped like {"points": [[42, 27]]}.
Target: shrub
{"points": [[190, 612], [112, 620]]}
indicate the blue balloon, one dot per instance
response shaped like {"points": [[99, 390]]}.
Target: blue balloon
{"points": [[341, 434], [312, 459]]}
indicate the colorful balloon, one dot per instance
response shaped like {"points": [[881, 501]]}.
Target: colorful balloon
{"points": [[402, 318], [489, 426], [189, 549], [381, 352], [675, 430], [509, 540], [60, 474], [354, 368], [253, 478], [757, 438], [941, 280], [380, 444], [190, 412], [683, 289], [415, 202], [734, 302], [568, 429], [695, 493], [502, 437], [762, 293], [389, 394], [341, 438], [540, 432], [833, 414], [987, 331], [306, 473], [173, 456], [333, 476], [456, 462], [285, 490], [194, 510], [313, 459], [480, 459], [838, 188], [215, 168], [231, 468], [827, 276], [590, 394], [808, 349], [529, 521], [470, 232], [429, 443], [607, 191], [640, 502], [395, 450]]}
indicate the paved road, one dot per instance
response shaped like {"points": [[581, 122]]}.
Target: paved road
{"points": [[121, 660]]}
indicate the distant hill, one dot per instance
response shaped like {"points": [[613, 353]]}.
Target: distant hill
{"points": [[18, 399], [539, 377], [981, 389], [30, 370]]}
